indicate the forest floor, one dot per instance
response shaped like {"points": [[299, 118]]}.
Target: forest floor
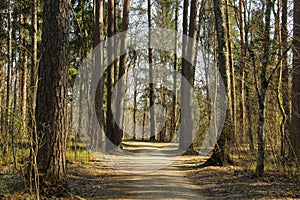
{"points": [[181, 179]]}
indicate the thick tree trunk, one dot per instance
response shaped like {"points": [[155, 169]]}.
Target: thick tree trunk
{"points": [[186, 130], [110, 75], [295, 121], [122, 67], [51, 104], [220, 154], [97, 140]]}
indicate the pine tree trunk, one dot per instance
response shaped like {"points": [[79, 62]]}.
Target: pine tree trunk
{"points": [[242, 72], [110, 76], [122, 67], [220, 156], [151, 75], [295, 121], [231, 76], [97, 140], [174, 97], [51, 103]]}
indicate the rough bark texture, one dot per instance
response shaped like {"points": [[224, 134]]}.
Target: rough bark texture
{"points": [[220, 154], [295, 122], [51, 104]]}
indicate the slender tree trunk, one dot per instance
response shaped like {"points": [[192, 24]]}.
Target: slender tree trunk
{"points": [[51, 104], [8, 81], [285, 75], [134, 97], [250, 133], [116, 31], [242, 72], [34, 141], [151, 75], [174, 97], [2, 80], [262, 93], [231, 77]]}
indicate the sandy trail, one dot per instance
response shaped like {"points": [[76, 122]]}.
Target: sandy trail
{"points": [[151, 173]]}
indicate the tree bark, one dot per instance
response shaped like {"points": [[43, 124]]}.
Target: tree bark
{"points": [[122, 68], [97, 140], [220, 155], [151, 75], [174, 97], [51, 103], [262, 93], [242, 71], [110, 75], [295, 121]]}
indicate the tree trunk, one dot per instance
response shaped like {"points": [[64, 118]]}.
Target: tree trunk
{"points": [[34, 142], [122, 67], [242, 71], [295, 121], [97, 141], [110, 75], [116, 31], [220, 156], [151, 75], [51, 104], [231, 77], [174, 97], [134, 96], [262, 93]]}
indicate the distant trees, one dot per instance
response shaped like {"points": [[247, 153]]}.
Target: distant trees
{"points": [[263, 114]]}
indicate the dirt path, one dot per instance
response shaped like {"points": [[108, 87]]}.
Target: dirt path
{"points": [[146, 174]]}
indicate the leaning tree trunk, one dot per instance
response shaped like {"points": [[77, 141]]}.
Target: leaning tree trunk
{"points": [[51, 104]]}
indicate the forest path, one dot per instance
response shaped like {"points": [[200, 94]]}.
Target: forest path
{"points": [[160, 180], [149, 173]]}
